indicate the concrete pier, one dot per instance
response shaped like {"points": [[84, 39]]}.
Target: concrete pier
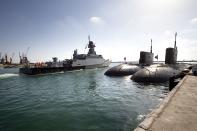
{"points": [[177, 112]]}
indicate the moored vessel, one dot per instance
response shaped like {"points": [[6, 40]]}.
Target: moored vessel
{"points": [[79, 61]]}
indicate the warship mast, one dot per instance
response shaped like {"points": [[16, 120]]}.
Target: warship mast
{"points": [[151, 46]]}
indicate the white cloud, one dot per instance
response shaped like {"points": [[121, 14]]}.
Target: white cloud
{"points": [[193, 21], [96, 20], [168, 32]]}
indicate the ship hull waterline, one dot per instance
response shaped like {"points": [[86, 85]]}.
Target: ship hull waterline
{"points": [[49, 70]]}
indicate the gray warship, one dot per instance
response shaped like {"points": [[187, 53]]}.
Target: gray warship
{"points": [[79, 61]]}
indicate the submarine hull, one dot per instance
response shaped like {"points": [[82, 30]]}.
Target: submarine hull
{"points": [[122, 70], [155, 74]]}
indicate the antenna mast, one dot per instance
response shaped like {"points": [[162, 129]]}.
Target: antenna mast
{"points": [[151, 46], [175, 40]]}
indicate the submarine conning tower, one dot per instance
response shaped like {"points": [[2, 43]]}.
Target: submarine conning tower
{"points": [[171, 53], [146, 58]]}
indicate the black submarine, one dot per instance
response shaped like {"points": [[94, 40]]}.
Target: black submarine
{"points": [[159, 73], [122, 70], [146, 59]]}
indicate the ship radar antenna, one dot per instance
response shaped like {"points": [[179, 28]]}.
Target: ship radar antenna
{"points": [[175, 40], [151, 46]]}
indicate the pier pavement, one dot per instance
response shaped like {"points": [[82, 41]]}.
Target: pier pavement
{"points": [[177, 112]]}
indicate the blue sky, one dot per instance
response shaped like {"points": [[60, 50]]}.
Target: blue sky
{"points": [[120, 28]]}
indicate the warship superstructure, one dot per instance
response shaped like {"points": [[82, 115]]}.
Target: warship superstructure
{"points": [[89, 60]]}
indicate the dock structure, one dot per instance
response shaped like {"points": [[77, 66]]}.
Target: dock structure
{"points": [[177, 112]]}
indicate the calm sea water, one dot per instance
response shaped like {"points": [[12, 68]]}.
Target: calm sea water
{"points": [[85, 100]]}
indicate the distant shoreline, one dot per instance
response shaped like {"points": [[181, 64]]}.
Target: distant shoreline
{"points": [[11, 65]]}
